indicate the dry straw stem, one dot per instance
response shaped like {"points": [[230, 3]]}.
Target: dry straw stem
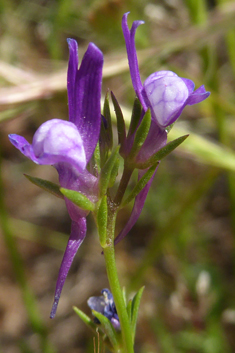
{"points": [[30, 86]]}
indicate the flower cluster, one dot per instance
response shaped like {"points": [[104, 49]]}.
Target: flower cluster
{"points": [[69, 145]]}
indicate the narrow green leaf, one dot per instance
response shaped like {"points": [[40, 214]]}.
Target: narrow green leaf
{"points": [[135, 116], [135, 310], [97, 157], [140, 185], [114, 173], [107, 115], [120, 121], [79, 199], [129, 310], [163, 152], [108, 329], [107, 170], [46, 185], [102, 218], [124, 295], [141, 134], [85, 319]]}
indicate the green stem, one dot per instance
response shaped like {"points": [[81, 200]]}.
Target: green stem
{"points": [[109, 255]]}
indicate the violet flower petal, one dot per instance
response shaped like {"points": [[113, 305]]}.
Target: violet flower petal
{"points": [[87, 98], [59, 141], [137, 208], [190, 85], [54, 141], [106, 306], [129, 36], [166, 95], [198, 96], [78, 233], [81, 181], [23, 146], [71, 77]]}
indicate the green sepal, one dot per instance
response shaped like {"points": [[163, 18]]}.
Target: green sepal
{"points": [[46, 185], [163, 152], [108, 329], [107, 115], [97, 158], [135, 309], [114, 173], [106, 171], [120, 121], [78, 199], [135, 116], [141, 134], [102, 220], [140, 184]]}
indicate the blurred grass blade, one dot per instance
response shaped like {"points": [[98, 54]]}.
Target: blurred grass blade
{"points": [[205, 150], [29, 298]]}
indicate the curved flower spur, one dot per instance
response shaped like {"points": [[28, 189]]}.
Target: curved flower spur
{"points": [[166, 95], [69, 145]]}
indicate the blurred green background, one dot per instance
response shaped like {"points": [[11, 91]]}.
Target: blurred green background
{"points": [[182, 247]]}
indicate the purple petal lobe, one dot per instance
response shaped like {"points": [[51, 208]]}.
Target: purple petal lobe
{"points": [[198, 96], [24, 146], [167, 96], [129, 36], [71, 76], [96, 303], [87, 96], [190, 84], [78, 233], [137, 208], [59, 141]]}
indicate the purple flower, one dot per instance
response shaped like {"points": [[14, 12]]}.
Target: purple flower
{"points": [[163, 92], [69, 145], [105, 305], [166, 95]]}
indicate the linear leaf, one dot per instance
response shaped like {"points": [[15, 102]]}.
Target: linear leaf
{"points": [[46, 185], [135, 309], [163, 152], [140, 185]]}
